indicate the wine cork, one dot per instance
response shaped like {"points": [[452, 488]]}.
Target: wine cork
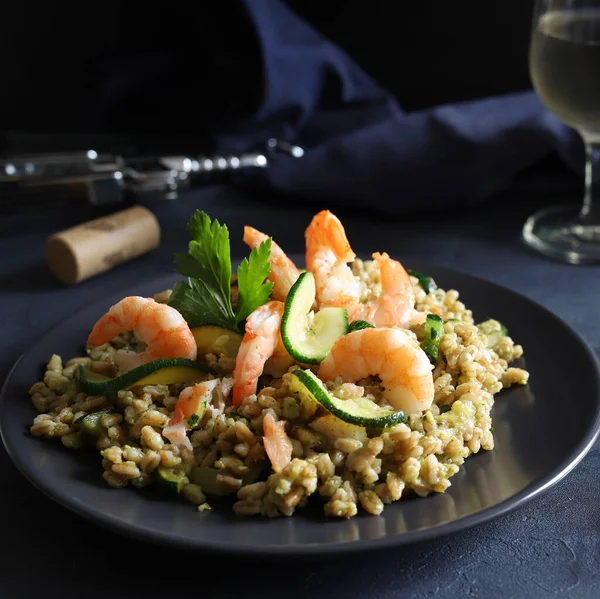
{"points": [[94, 247]]}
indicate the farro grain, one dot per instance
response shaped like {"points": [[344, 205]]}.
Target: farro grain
{"points": [[141, 405], [113, 453], [101, 367], [150, 461], [42, 426], [371, 502], [223, 446], [133, 454], [253, 491], [72, 440], [243, 433], [255, 455], [233, 464], [126, 469], [143, 480], [168, 458], [230, 482], [193, 493], [151, 439], [115, 480], [347, 445], [116, 434], [248, 507], [93, 404], [103, 442]]}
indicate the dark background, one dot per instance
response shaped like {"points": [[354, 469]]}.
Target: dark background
{"points": [[173, 72]]}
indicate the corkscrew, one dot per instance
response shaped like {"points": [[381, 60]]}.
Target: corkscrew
{"points": [[107, 178]]}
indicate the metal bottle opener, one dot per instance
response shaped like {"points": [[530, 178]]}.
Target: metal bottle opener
{"points": [[111, 178]]}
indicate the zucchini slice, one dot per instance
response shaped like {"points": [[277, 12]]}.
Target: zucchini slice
{"points": [[359, 411], [309, 336], [211, 339], [359, 325], [434, 329], [426, 282], [91, 424], [171, 480], [206, 478], [333, 428], [165, 371]]}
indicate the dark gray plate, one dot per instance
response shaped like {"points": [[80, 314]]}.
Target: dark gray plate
{"points": [[542, 431]]}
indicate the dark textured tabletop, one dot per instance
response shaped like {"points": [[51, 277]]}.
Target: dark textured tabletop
{"points": [[550, 547]]}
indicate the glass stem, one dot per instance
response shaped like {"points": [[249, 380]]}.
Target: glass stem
{"points": [[590, 211]]}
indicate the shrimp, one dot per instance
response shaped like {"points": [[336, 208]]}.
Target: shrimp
{"points": [[276, 443], [161, 327], [283, 271], [390, 353], [261, 341], [278, 364], [187, 404], [395, 305], [327, 255]]}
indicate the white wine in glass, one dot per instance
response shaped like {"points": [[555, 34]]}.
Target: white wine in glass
{"points": [[564, 63]]}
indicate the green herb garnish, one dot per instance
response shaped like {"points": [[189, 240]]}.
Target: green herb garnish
{"points": [[252, 290], [193, 420], [205, 297]]}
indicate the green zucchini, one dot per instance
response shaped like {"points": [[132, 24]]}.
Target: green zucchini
{"points": [[171, 480], [359, 325], [206, 478], [309, 336], [211, 339], [426, 282], [434, 329], [165, 371], [333, 428], [91, 424], [359, 411]]}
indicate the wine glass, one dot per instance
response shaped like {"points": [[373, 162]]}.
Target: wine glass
{"points": [[564, 63]]}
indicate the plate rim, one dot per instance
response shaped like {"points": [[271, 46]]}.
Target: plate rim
{"points": [[532, 490]]}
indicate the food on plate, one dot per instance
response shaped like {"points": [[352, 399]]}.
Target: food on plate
{"points": [[354, 383]]}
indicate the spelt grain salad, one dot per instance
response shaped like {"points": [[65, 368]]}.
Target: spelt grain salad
{"points": [[351, 383]]}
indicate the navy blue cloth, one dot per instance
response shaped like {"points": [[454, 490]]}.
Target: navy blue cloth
{"points": [[363, 148], [227, 75]]}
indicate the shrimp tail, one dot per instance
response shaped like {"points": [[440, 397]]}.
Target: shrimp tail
{"points": [[327, 231]]}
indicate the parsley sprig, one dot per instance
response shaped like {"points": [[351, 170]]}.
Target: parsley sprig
{"points": [[205, 296]]}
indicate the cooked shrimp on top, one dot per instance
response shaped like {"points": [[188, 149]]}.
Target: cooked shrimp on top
{"points": [[328, 253], [390, 353], [261, 341], [161, 327]]}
